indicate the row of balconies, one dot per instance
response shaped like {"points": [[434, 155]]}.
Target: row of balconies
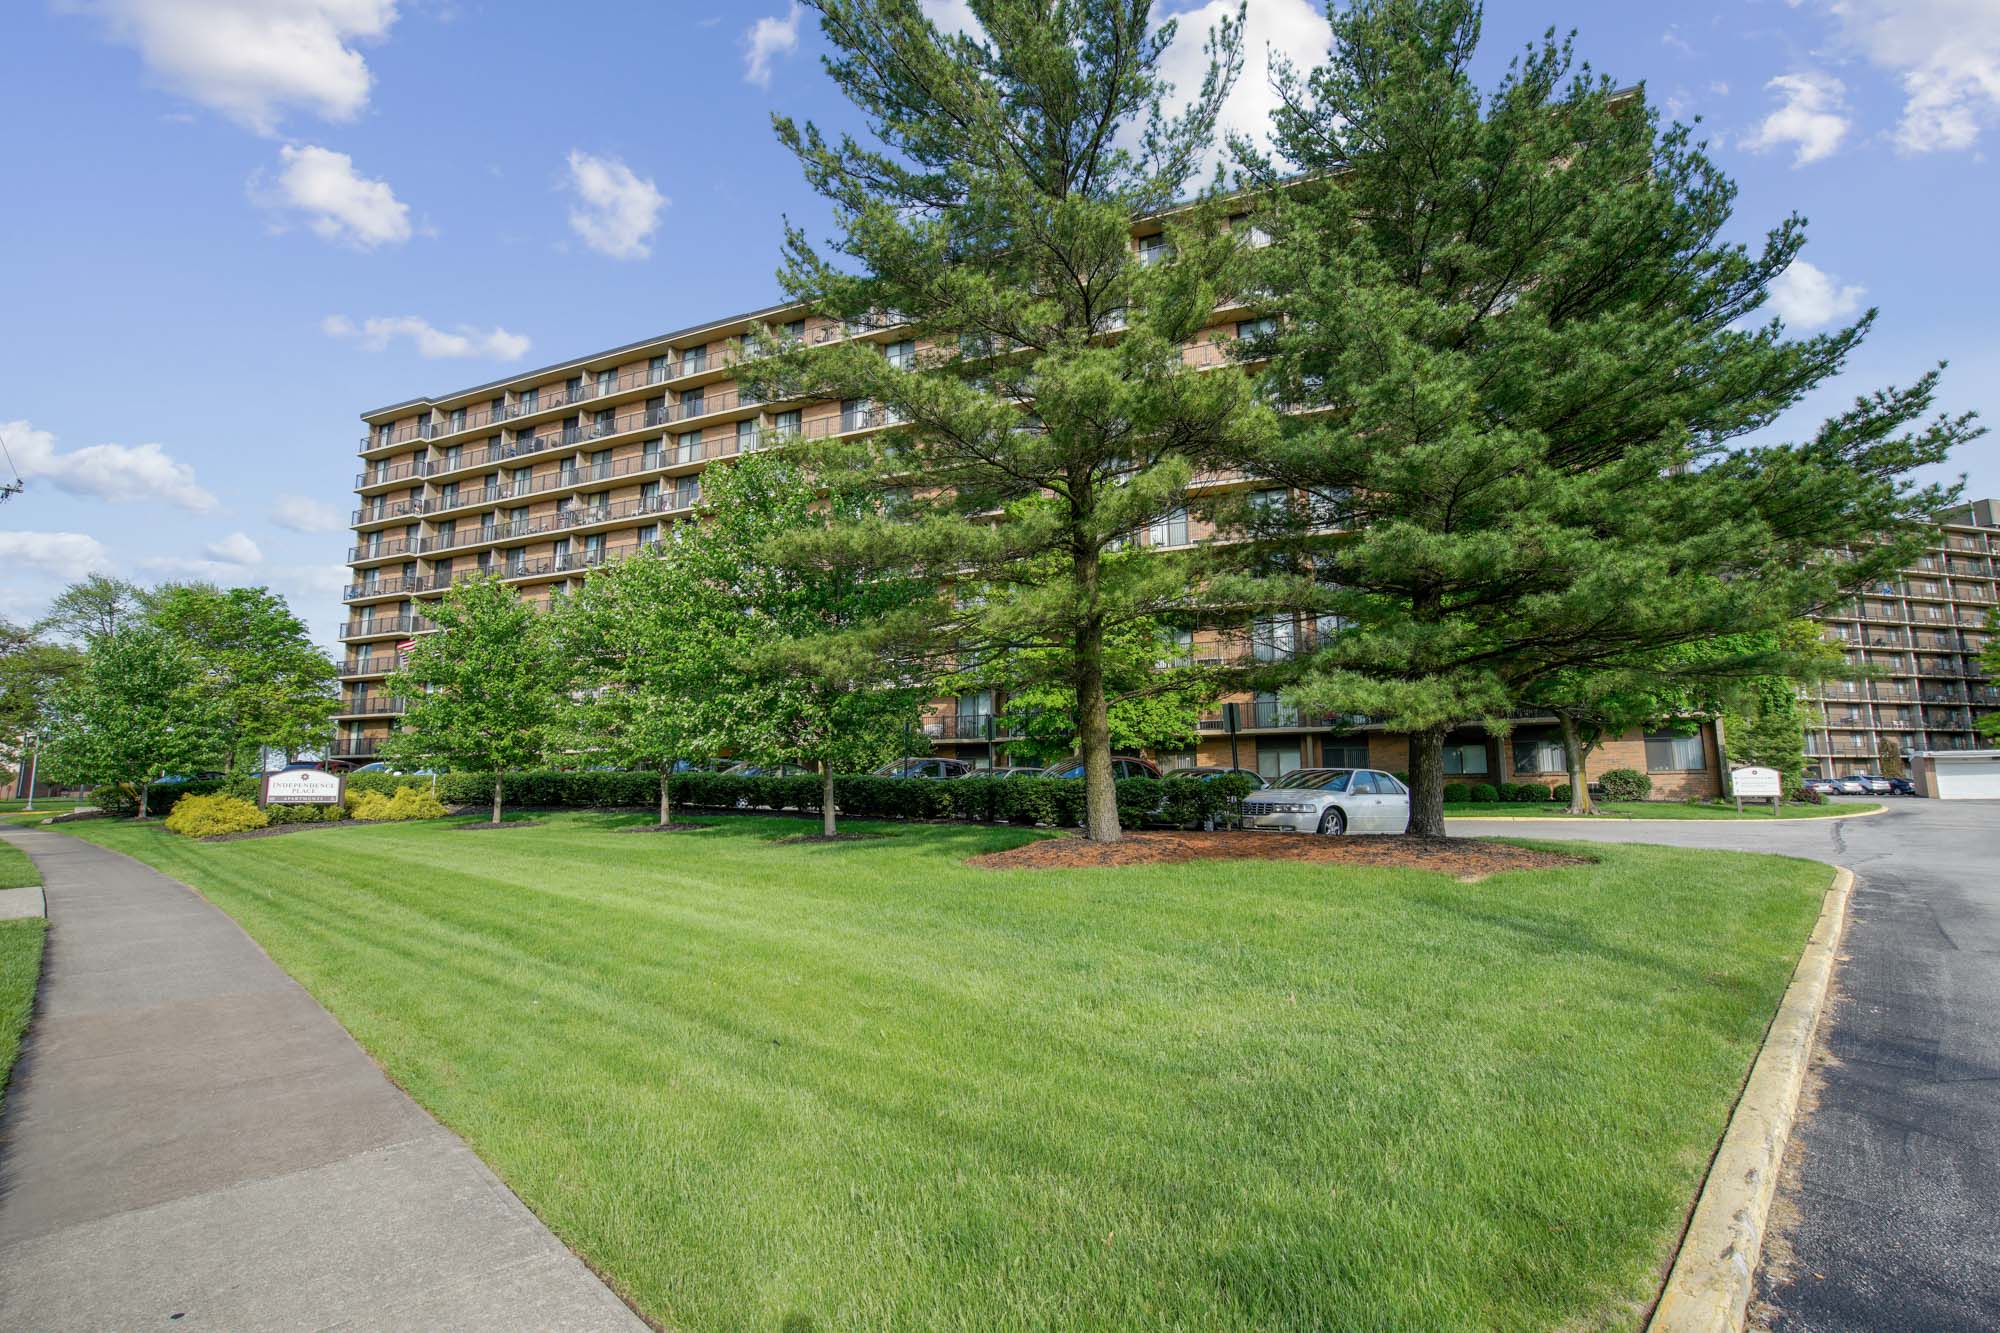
{"points": [[568, 520], [377, 627]]}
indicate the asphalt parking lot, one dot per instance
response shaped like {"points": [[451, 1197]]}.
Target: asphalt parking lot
{"points": [[1890, 1204]]}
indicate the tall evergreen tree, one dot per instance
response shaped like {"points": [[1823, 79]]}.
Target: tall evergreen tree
{"points": [[1525, 367], [1045, 403], [1989, 661], [485, 690]]}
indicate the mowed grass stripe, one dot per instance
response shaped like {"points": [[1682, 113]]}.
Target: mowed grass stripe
{"points": [[867, 1085]]}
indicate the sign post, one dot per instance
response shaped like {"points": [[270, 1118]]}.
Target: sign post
{"points": [[1757, 784], [302, 786]]}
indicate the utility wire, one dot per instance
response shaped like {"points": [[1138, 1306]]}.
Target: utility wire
{"points": [[10, 489]]}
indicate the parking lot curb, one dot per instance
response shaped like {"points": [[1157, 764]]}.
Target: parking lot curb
{"points": [[1647, 819], [1709, 1289]]}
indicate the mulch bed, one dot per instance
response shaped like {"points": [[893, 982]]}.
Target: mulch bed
{"points": [[277, 830], [1463, 858]]}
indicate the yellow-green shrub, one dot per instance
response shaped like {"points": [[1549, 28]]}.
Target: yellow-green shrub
{"points": [[407, 803], [207, 816]]}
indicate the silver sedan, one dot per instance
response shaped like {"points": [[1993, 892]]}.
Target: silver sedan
{"points": [[1332, 801]]}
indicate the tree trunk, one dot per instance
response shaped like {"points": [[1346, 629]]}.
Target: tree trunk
{"points": [[1427, 782], [826, 812], [666, 795], [497, 780], [1575, 756], [144, 784], [1100, 792]]}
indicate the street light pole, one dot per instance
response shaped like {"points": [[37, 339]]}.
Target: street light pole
{"points": [[33, 755]]}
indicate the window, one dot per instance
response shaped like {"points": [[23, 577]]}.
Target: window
{"points": [[1352, 753], [1254, 329], [746, 437], [857, 414], [529, 399], [656, 369], [687, 449], [694, 360], [458, 418], [1171, 530], [1274, 638], [687, 492], [1267, 710], [1268, 501], [787, 424], [1277, 757], [649, 534], [649, 495], [1152, 249], [1253, 235], [973, 712], [1671, 752], [1363, 784], [795, 330], [517, 560], [1538, 754], [902, 355], [607, 380], [1465, 760], [451, 457], [605, 421], [693, 403]]}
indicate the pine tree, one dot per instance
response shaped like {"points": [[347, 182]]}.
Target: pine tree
{"points": [[1524, 369], [1045, 410]]}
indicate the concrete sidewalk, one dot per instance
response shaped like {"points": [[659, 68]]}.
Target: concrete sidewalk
{"points": [[192, 1141]]}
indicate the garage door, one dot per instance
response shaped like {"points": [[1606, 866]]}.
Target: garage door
{"points": [[1968, 779]]}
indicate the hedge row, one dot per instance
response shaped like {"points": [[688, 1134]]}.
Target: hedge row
{"points": [[1483, 793], [1054, 801]]}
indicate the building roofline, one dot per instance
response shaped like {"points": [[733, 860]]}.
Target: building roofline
{"points": [[431, 400]]}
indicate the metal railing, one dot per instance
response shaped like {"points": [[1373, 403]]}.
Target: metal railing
{"points": [[362, 629]]}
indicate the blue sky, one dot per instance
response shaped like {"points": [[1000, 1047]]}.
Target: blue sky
{"points": [[233, 225]]}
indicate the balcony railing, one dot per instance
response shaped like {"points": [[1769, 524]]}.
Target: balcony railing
{"points": [[382, 707], [970, 727], [578, 516], [384, 476], [361, 629], [395, 546], [376, 664], [347, 747], [377, 513]]}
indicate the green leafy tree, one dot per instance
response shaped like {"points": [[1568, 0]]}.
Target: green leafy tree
{"points": [[1526, 373], [274, 686], [648, 642], [821, 658], [1989, 662], [485, 690], [1047, 407], [94, 607], [31, 669], [138, 709]]}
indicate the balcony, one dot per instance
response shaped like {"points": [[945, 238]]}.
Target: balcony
{"points": [[389, 475], [577, 516], [382, 512], [396, 587], [382, 626], [388, 550], [382, 707], [375, 664], [970, 727], [351, 747]]}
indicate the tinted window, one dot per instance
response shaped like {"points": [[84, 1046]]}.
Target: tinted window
{"points": [[1334, 781], [1363, 785], [1388, 786]]}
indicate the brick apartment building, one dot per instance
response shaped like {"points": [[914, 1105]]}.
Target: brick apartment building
{"points": [[1920, 637], [539, 477]]}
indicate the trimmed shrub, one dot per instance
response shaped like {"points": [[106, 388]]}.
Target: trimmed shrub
{"points": [[1482, 793], [1455, 793], [1626, 784], [206, 816], [1804, 795], [407, 803], [304, 814], [1563, 792]]}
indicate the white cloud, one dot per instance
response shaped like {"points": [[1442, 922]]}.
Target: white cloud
{"points": [[376, 333], [952, 16], [618, 210], [1812, 116], [339, 203], [1947, 54], [1806, 297], [115, 472], [1292, 29], [68, 555], [767, 38], [235, 549], [253, 59], [296, 513]]}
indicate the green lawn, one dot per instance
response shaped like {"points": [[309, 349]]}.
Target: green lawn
{"points": [[863, 1085], [20, 972], [1649, 810], [16, 870]]}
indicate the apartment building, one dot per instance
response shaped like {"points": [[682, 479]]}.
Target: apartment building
{"points": [[1920, 636], [540, 477]]}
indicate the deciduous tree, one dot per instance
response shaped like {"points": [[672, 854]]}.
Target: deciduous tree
{"points": [[138, 709]]}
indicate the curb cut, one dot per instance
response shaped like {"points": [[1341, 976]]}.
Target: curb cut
{"points": [[1709, 1288]]}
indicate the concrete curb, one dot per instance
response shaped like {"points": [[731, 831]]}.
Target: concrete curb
{"points": [[1709, 1288], [1648, 819]]}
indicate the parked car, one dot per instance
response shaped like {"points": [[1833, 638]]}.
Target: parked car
{"points": [[1210, 772], [1824, 786], [748, 769], [924, 768], [1902, 787], [1875, 785], [1331, 801], [1122, 766], [1850, 786]]}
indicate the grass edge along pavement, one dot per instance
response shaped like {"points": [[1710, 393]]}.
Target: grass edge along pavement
{"points": [[1536, 812], [21, 944], [862, 1084], [1714, 1275]]}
